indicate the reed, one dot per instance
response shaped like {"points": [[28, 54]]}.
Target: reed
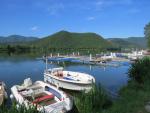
{"points": [[94, 101], [18, 109]]}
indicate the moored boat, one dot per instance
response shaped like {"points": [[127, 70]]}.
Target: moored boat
{"points": [[47, 98], [69, 79]]}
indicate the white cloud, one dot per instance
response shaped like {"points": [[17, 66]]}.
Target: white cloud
{"points": [[99, 3], [91, 18], [52, 7], [105, 3], [34, 28], [55, 8]]}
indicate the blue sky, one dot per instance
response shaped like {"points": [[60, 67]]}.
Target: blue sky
{"points": [[109, 18]]}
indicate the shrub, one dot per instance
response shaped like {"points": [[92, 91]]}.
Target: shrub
{"points": [[140, 70]]}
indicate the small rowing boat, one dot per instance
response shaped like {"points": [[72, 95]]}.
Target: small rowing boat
{"points": [[47, 98]]}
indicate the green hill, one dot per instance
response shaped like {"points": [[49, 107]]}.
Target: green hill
{"points": [[64, 39], [140, 41], [131, 42]]}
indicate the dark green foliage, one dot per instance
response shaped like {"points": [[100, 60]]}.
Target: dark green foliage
{"points": [[147, 33], [136, 94], [140, 70], [94, 101], [20, 109], [17, 49], [133, 99]]}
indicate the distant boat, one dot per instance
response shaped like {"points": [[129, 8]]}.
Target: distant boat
{"points": [[47, 98], [69, 79], [111, 64], [3, 93], [135, 55]]}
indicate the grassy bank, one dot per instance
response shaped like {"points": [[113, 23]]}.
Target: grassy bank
{"points": [[136, 94], [133, 99]]}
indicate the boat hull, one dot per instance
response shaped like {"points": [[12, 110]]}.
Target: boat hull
{"points": [[67, 85]]}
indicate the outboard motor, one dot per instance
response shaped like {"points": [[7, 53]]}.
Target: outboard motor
{"points": [[27, 82]]}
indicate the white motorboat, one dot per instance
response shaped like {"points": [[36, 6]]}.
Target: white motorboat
{"points": [[68, 79], [135, 55], [47, 98]]}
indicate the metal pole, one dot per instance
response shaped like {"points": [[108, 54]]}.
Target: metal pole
{"points": [[46, 63]]}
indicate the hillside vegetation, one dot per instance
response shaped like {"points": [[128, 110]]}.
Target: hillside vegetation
{"points": [[147, 33], [131, 42], [64, 39], [65, 42], [16, 39]]}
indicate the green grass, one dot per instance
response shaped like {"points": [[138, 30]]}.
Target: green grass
{"points": [[20, 109], [133, 99], [92, 102]]}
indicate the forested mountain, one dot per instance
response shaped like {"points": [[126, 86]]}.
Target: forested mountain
{"points": [[135, 42], [16, 39], [64, 39]]}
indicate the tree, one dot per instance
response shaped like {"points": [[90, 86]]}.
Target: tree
{"points": [[147, 33]]}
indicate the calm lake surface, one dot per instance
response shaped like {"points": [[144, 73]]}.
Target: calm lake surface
{"points": [[15, 70]]}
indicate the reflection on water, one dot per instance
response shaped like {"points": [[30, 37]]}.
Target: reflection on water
{"points": [[15, 70]]}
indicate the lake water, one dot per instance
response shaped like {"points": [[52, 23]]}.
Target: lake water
{"points": [[15, 70]]}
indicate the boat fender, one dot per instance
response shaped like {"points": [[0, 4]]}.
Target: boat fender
{"points": [[11, 97]]}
